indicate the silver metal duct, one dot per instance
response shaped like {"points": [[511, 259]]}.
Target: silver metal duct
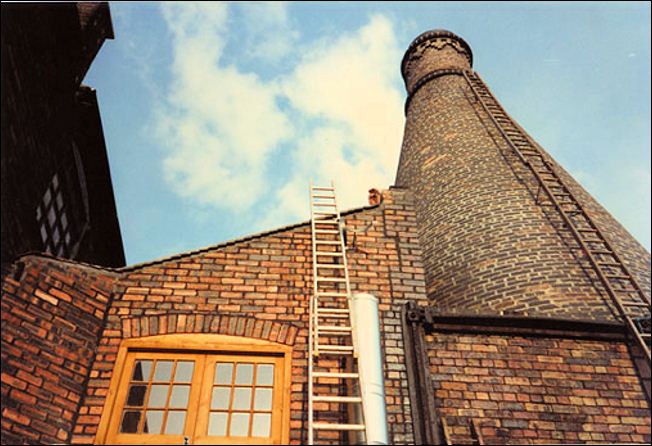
{"points": [[367, 336]]}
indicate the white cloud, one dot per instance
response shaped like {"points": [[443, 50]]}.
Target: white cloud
{"points": [[221, 126], [269, 36]]}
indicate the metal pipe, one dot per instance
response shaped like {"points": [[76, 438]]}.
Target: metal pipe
{"points": [[370, 367]]}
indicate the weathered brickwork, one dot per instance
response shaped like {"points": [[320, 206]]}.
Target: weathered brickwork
{"points": [[487, 245], [52, 315], [529, 390], [257, 287]]}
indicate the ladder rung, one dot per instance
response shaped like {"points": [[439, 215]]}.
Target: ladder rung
{"points": [[332, 316], [326, 197], [328, 242], [330, 205], [326, 222], [334, 375], [328, 265], [333, 328], [602, 252], [324, 213], [337, 399], [634, 304], [335, 348], [330, 254], [331, 293], [338, 427], [331, 279], [617, 277], [323, 188], [326, 231], [332, 310]]}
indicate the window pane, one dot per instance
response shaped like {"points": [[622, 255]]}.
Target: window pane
{"points": [[59, 201], [263, 399], [163, 371], [220, 398], [153, 422], [265, 375], [244, 374], [55, 181], [183, 374], [51, 217], [176, 420], [136, 395], [47, 197], [130, 420], [142, 371], [223, 373], [55, 236], [64, 220], [242, 398], [158, 395], [44, 233], [179, 397], [261, 425], [239, 425], [217, 424]]}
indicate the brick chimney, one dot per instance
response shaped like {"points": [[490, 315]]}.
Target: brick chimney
{"points": [[489, 245]]}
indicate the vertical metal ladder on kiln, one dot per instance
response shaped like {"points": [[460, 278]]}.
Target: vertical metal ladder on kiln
{"points": [[331, 320], [621, 286]]}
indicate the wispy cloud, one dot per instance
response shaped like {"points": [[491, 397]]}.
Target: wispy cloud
{"points": [[220, 126]]}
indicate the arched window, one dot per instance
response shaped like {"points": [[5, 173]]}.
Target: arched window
{"points": [[198, 389]]}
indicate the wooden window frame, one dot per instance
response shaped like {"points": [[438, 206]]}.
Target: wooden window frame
{"points": [[204, 346]]}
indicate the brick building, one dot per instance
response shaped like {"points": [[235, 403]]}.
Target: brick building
{"points": [[494, 328], [57, 195]]}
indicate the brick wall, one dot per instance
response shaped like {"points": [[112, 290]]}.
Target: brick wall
{"points": [[487, 245], [52, 315], [259, 287], [530, 390]]}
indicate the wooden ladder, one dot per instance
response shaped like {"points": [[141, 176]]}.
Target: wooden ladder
{"points": [[331, 335], [632, 305]]}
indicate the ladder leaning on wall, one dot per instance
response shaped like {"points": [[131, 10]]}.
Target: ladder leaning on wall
{"points": [[334, 397], [622, 288]]}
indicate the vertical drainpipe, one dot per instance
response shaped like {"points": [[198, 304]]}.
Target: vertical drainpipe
{"points": [[370, 367]]}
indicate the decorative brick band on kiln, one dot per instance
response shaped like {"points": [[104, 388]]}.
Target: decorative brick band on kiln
{"points": [[488, 245]]}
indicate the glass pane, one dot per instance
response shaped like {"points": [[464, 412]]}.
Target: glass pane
{"points": [[130, 420], [265, 375], [59, 201], [60, 251], [142, 371], [55, 181], [38, 213], [244, 374], [163, 371], [217, 424], [136, 395], [47, 197], [153, 422], [183, 374], [55, 236], [51, 217], [223, 373], [158, 395], [44, 233], [220, 398], [242, 398], [263, 399], [68, 243], [175, 423], [64, 220], [261, 425], [179, 397], [239, 425]]}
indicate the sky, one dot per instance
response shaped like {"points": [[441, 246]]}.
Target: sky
{"points": [[217, 115]]}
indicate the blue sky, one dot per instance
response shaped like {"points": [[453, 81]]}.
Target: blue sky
{"points": [[217, 115]]}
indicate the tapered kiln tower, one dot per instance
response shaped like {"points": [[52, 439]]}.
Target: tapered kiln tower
{"points": [[494, 241]]}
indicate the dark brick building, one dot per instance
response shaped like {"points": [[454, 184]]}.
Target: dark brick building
{"points": [[57, 195], [493, 328]]}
